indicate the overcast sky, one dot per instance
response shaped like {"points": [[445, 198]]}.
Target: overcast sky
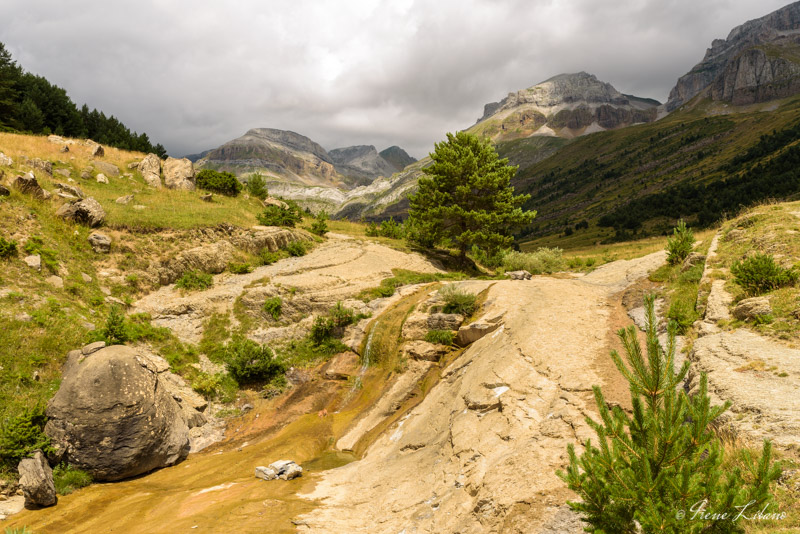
{"points": [[194, 74]]}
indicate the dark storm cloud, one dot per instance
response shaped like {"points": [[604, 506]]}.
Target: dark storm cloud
{"points": [[194, 74]]}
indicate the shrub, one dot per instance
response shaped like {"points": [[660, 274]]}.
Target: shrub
{"points": [[683, 313], [321, 330], [341, 316], [297, 248], [273, 307], [21, 435], [279, 216], [680, 245], [320, 224], [457, 300], [389, 228], [68, 479], [648, 470], [257, 186], [760, 274], [195, 280], [240, 268], [8, 248], [249, 362], [224, 183], [543, 260], [114, 332], [265, 257], [442, 337]]}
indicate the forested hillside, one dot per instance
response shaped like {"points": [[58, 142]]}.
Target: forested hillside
{"points": [[30, 103]]}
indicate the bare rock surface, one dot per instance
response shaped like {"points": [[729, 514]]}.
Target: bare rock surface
{"points": [[113, 417], [479, 453]]}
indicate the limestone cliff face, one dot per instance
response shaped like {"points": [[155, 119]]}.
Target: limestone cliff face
{"points": [[566, 105], [361, 164], [757, 62]]}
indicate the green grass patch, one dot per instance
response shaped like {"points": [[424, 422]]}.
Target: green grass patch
{"points": [[240, 268], [441, 337], [404, 277], [273, 307], [195, 281], [456, 300], [68, 479], [540, 261]]}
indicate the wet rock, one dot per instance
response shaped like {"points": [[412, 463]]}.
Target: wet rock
{"points": [[519, 275], [343, 366], [113, 417], [422, 350], [100, 243], [150, 167], [36, 479], [444, 321], [34, 262], [179, 174], [751, 308], [87, 211]]}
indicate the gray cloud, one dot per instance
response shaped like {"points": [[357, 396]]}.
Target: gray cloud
{"points": [[194, 74]]}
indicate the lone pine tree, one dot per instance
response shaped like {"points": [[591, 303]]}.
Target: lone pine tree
{"points": [[466, 198], [661, 465]]}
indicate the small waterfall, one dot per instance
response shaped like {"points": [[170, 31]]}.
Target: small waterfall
{"points": [[366, 357]]}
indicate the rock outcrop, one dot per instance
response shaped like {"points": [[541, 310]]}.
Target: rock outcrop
{"points": [[213, 258], [397, 157], [36, 480], [179, 174], [150, 168], [757, 62], [112, 416], [361, 164], [30, 186], [86, 211]]}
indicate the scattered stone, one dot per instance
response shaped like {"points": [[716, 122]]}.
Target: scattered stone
{"points": [[98, 151], [751, 308], [114, 300], [179, 174], [55, 281], [208, 197], [113, 417], [30, 186], [445, 321], [36, 479], [33, 261], [127, 199], [86, 173], [150, 167], [62, 172], [134, 165], [271, 201], [519, 275], [139, 207], [422, 350], [283, 469], [101, 179], [23, 317], [87, 325], [5, 161], [246, 408], [64, 149], [342, 366], [91, 348], [71, 189], [691, 260], [4, 192], [57, 139], [474, 331], [101, 243], [42, 165], [87, 211], [86, 278], [109, 169]]}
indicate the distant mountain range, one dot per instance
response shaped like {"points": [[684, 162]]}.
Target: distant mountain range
{"points": [[584, 149]]}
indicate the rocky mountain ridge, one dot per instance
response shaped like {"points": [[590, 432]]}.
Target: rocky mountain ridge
{"points": [[757, 62]]}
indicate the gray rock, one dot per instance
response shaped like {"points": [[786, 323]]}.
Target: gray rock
{"points": [[42, 165], [86, 278], [65, 149], [127, 199], [519, 275], [91, 348], [87, 211], [150, 167], [55, 281], [63, 172], [30, 186], [98, 151], [12, 505], [109, 169], [34, 262], [179, 174], [36, 479], [133, 165], [416, 326], [718, 302], [100, 243], [283, 469], [101, 178], [422, 350], [212, 258], [5, 161], [86, 173], [23, 317], [113, 417], [71, 189], [444, 321], [266, 473], [474, 331], [751, 308]]}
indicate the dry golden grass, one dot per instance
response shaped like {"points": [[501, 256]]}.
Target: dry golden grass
{"points": [[18, 146]]}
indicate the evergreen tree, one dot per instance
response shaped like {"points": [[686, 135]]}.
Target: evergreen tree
{"points": [[30, 117], [663, 464], [466, 198], [9, 78]]}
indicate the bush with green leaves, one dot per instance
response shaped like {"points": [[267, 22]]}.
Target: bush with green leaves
{"points": [[441, 337], [759, 274], [8, 248], [273, 307], [224, 183], [320, 224], [648, 471], [21, 435], [274, 215], [248, 362], [240, 268], [257, 186], [297, 248], [680, 245], [542, 260], [68, 479], [195, 280], [322, 329], [389, 228], [456, 300], [115, 332]]}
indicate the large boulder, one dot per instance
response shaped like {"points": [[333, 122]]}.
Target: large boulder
{"points": [[86, 211], [752, 308], [179, 174], [30, 186], [213, 258], [113, 417], [445, 321], [36, 480], [109, 169], [422, 350], [150, 167]]}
